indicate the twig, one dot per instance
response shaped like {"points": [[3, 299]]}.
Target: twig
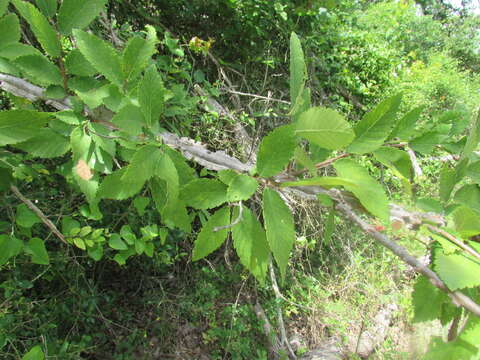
{"points": [[416, 167], [281, 324], [457, 297], [235, 222], [454, 240], [257, 96], [273, 341], [39, 213]]}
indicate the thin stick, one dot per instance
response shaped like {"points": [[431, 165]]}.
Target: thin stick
{"points": [[281, 324], [257, 96], [457, 297], [39, 213]]}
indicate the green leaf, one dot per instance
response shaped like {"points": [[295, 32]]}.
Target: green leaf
{"points": [[204, 193], [13, 51], [143, 164], [101, 55], [405, 128], [78, 242], [26, 217], [130, 120], [10, 246], [276, 150], [279, 227], [10, 30], [20, 125], [96, 253], [303, 103], [467, 221], [140, 203], [457, 271], [469, 195], [3, 6], [150, 96], [76, 64], [137, 53], [427, 300], [429, 205], [36, 248], [396, 159], [426, 143], [115, 242], [473, 171], [329, 228], [298, 69], [127, 234], [375, 126], [303, 159], [47, 7], [473, 137], [447, 182], [113, 187], [45, 33], [46, 144], [208, 239], [250, 243], [324, 181], [39, 69], [367, 190], [81, 144], [242, 187], [439, 350], [78, 14], [325, 128], [35, 353]]}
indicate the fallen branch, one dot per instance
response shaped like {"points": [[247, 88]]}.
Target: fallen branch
{"points": [[39, 213]]}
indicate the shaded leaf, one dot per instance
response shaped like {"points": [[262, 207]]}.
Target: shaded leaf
{"points": [[209, 240], [276, 150], [396, 159], [241, 187], [26, 217], [113, 187], [457, 271], [137, 53], [36, 248], [20, 125], [10, 246], [10, 30], [78, 14], [45, 144], [204, 193], [427, 300], [47, 7], [298, 69], [150, 96], [405, 128], [76, 64], [39, 69]]}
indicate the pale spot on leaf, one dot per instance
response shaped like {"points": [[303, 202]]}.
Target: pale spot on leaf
{"points": [[83, 170]]}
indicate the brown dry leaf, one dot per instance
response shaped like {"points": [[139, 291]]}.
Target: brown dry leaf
{"points": [[83, 170], [397, 224]]}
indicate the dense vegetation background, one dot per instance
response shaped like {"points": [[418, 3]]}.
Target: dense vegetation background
{"points": [[162, 305]]}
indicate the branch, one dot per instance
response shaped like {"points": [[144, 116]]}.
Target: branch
{"points": [[39, 213]]}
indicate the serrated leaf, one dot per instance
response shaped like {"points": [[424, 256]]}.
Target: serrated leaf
{"points": [[298, 69], [405, 128], [47, 7], [76, 64], [10, 246], [467, 221], [375, 126], [209, 240], [427, 300], [325, 128], [469, 195], [7, 67], [55, 92], [241, 187], [36, 248], [39, 69], [279, 227], [396, 159], [35, 353], [204, 193], [101, 55], [473, 137], [276, 150], [366, 189], [13, 51], [78, 14], [45, 144], [324, 181], [130, 120], [116, 243], [250, 243], [113, 187], [143, 164], [150, 96], [185, 172], [20, 125], [137, 53], [226, 176], [426, 143], [457, 271], [303, 159], [447, 182], [45, 33], [10, 30]]}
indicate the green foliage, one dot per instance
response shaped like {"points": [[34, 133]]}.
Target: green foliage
{"points": [[276, 150], [78, 14]]}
